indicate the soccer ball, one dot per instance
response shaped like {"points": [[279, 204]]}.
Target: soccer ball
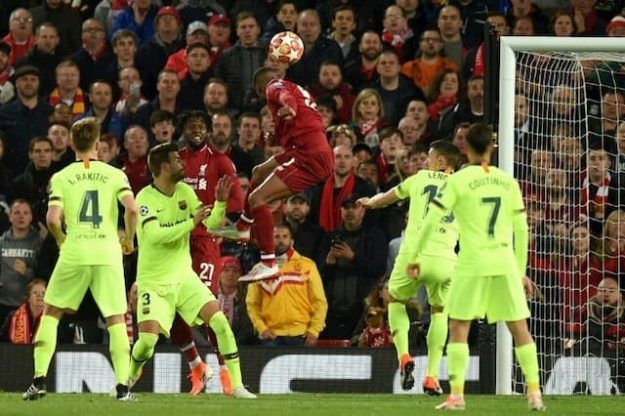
{"points": [[286, 47]]}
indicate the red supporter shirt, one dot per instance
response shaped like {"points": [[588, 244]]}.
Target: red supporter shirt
{"points": [[137, 173], [292, 133], [202, 170]]}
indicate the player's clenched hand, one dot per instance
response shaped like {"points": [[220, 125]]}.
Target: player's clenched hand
{"points": [[222, 190], [267, 334], [286, 112], [365, 201], [203, 212], [128, 246], [530, 287], [413, 270]]}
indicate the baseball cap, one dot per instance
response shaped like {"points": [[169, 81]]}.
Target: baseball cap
{"points": [[195, 26], [617, 21], [219, 18], [302, 196], [167, 11], [26, 70], [231, 261]]}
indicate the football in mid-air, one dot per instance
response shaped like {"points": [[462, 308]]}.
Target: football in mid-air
{"points": [[286, 47]]}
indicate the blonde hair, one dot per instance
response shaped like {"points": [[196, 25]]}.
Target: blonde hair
{"points": [[363, 95], [84, 133]]}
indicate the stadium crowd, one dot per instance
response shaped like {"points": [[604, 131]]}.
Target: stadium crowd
{"points": [[388, 78]]}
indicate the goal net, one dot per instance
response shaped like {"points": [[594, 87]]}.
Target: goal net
{"points": [[569, 156]]}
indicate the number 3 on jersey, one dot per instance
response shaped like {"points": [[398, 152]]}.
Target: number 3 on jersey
{"points": [[90, 209]]}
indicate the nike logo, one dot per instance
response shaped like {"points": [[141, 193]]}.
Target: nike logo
{"points": [[160, 210]]}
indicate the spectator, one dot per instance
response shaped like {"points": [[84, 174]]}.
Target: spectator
{"points": [[342, 135], [587, 20], [218, 35], [344, 25], [616, 27], [317, 49], [460, 141], [19, 248], [66, 20], [108, 152], [361, 72], [394, 88], [21, 325], [368, 116], [221, 140], [197, 32], [474, 61], [130, 86], [469, 110], [620, 141], [606, 321], [368, 170], [45, 56], [423, 70], [523, 26], [193, 10], [373, 329], [356, 256], [409, 162], [162, 126], [612, 111], [20, 37], [152, 56], [290, 309], [216, 97], [125, 44], [391, 147], [68, 88], [326, 105], [340, 185], [397, 35], [527, 9], [450, 27], [95, 60], [191, 87], [237, 64], [474, 13], [139, 18], [231, 299], [135, 163], [7, 89], [309, 237], [5, 183], [409, 128], [418, 110], [361, 152], [248, 140], [24, 117], [445, 94], [101, 97], [168, 87], [62, 155], [330, 81], [563, 24], [569, 154], [284, 19]]}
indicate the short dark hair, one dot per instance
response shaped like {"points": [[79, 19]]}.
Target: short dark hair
{"points": [[159, 116], [124, 33], [197, 45], [285, 226], [38, 139], [326, 100], [448, 150], [248, 114], [160, 154], [388, 131], [479, 137], [344, 8], [187, 115]]}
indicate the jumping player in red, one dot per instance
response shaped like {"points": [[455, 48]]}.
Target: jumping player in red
{"points": [[307, 159], [203, 168]]}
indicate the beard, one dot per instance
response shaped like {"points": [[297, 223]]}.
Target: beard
{"points": [[281, 249]]}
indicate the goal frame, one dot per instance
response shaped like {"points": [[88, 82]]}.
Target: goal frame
{"points": [[508, 46]]}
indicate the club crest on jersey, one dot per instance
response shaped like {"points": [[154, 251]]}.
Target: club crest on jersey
{"points": [[143, 210], [182, 204], [202, 171]]}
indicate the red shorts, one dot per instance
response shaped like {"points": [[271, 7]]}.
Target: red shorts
{"points": [[206, 261], [299, 170]]}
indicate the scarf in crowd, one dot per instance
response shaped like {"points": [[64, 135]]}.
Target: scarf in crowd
{"points": [[600, 198], [20, 331], [441, 104], [397, 40], [78, 107], [330, 207], [369, 132]]}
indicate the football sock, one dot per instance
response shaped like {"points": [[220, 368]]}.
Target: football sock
{"points": [[457, 361], [215, 344], [119, 347], [263, 231], [227, 346], [45, 344], [437, 335], [400, 324], [141, 352], [527, 357], [246, 216]]}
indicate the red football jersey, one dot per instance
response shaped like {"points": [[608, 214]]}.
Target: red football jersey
{"points": [[202, 170], [289, 132]]}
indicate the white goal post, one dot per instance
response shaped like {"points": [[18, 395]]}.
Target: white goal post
{"points": [[508, 47]]}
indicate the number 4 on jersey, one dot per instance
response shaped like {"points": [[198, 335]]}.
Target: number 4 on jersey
{"points": [[90, 209]]}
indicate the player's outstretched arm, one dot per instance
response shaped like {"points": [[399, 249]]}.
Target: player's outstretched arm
{"points": [[53, 219], [218, 213], [130, 221], [379, 200]]}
